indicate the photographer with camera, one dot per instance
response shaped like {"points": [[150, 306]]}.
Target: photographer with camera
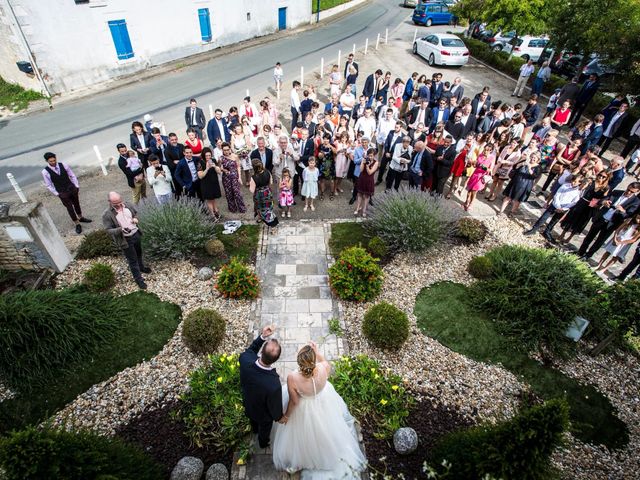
{"points": [[159, 178], [120, 220]]}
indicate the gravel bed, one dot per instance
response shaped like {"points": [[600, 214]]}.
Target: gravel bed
{"points": [[159, 381], [483, 392]]}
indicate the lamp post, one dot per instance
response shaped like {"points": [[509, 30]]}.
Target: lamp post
{"points": [[317, 11]]}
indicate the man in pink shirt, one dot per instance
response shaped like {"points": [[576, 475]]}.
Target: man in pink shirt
{"points": [[61, 181]]}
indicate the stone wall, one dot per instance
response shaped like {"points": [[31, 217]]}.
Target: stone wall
{"points": [[13, 257]]}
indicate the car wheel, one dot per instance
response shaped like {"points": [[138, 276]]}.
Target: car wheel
{"points": [[415, 48], [525, 57], [429, 22], [497, 48], [432, 60]]}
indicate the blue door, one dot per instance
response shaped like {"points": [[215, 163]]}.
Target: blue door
{"points": [[205, 24], [282, 18], [121, 40]]}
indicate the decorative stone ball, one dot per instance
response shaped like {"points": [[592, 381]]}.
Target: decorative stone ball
{"points": [[205, 273], [405, 440], [217, 471], [188, 468]]}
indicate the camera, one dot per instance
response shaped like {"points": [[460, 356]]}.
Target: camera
{"points": [[158, 169]]}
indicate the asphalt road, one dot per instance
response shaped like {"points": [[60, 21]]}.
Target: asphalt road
{"points": [[72, 128]]}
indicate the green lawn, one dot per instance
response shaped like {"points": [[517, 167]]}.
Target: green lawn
{"points": [[243, 244], [445, 313], [345, 235], [325, 4], [14, 97], [151, 325]]}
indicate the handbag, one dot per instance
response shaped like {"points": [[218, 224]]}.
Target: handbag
{"points": [[487, 179]]}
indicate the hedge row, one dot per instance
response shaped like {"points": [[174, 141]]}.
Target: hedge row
{"points": [[500, 61]]}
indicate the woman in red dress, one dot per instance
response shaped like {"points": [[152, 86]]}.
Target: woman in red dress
{"points": [[561, 116], [434, 140], [459, 164], [194, 142]]}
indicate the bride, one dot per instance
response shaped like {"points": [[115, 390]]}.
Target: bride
{"points": [[319, 436]]}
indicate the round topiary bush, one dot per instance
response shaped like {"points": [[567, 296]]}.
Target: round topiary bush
{"points": [[386, 326], [97, 244], [214, 247], [471, 230], [409, 220], [236, 280], [99, 277], [378, 247], [534, 294], [203, 330], [356, 275], [480, 267]]}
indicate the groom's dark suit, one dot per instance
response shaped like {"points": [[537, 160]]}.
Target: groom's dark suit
{"points": [[261, 393]]}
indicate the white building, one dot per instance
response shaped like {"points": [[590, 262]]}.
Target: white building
{"points": [[77, 43]]}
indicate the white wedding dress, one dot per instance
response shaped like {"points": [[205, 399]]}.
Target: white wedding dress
{"points": [[320, 437]]}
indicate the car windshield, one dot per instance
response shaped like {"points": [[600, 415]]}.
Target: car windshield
{"points": [[452, 42]]}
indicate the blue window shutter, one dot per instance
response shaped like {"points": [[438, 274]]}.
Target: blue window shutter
{"points": [[205, 24], [121, 39]]}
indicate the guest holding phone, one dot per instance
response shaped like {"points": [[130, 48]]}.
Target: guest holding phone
{"points": [[208, 171]]}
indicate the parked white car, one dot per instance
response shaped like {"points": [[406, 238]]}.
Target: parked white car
{"points": [[526, 47], [442, 49]]}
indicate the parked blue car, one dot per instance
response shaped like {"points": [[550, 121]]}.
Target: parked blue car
{"points": [[433, 13]]}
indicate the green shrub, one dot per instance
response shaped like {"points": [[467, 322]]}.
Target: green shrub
{"points": [[99, 277], [43, 330], [519, 448], [97, 244], [356, 275], [386, 326], [212, 408], [373, 396], [409, 220], [534, 294], [377, 247], [480, 267], [470, 229], [203, 330], [236, 280], [616, 313], [214, 247], [175, 229], [58, 454], [335, 328]]}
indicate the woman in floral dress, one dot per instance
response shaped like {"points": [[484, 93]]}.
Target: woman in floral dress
{"points": [[231, 174]]}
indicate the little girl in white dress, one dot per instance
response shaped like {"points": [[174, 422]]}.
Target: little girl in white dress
{"points": [[310, 177]]}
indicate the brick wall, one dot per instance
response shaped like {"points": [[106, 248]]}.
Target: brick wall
{"points": [[12, 258]]}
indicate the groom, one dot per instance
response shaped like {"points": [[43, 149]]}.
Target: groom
{"points": [[261, 389]]}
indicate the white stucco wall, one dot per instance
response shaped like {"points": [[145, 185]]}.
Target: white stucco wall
{"points": [[74, 48]]}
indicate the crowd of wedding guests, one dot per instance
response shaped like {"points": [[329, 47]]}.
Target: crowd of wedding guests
{"points": [[427, 132]]}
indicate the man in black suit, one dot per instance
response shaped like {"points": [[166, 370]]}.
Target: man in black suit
{"points": [[194, 117], [455, 126], [304, 151], [444, 157], [436, 89], [138, 189], [481, 103], [264, 154], [394, 137], [174, 154], [217, 128], [140, 142], [614, 210], [489, 122], [350, 63], [371, 86], [260, 383], [457, 90], [611, 127], [159, 145], [309, 124], [419, 114]]}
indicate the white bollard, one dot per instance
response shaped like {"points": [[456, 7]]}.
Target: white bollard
{"points": [[210, 111], [415, 35], [354, 50], [302, 76], [247, 92], [377, 41], [366, 46], [163, 129], [386, 36], [100, 160], [321, 67], [17, 188], [339, 55]]}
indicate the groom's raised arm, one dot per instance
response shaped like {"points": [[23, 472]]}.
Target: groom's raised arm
{"points": [[256, 344]]}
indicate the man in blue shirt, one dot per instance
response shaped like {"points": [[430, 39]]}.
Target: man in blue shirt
{"points": [[358, 155]]}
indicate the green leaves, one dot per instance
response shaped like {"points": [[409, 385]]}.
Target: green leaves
{"points": [[99, 277], [356, 275], [212, 409], [203, 330], [236, 280], [372, 394], [386, 326]]}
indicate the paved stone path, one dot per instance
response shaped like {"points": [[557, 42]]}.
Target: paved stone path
{"points": [[292, 266]]}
